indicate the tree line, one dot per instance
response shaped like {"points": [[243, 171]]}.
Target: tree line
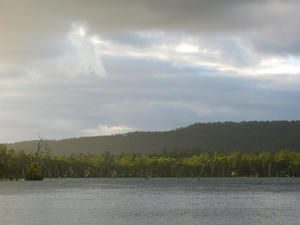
{"points": [[179, 163]]}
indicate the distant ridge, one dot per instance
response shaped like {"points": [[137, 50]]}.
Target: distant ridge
{"points": [[218, 136]]}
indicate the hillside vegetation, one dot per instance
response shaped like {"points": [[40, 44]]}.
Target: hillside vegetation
{"points": [[244, 137]]}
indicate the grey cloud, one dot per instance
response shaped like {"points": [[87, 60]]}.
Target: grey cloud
{"points": [[142, 14], [129, 38], [27, 47], [25, 23], [283, 42], [133, 96]]}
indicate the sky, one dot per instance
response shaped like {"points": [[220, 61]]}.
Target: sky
{"points": [[71, 68]]}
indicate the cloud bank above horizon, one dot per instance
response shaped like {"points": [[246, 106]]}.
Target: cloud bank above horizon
{"points": [[74, 68]]}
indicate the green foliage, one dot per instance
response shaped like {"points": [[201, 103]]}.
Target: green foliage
{"points": [[33, 172], [227, 137], [14, 164]]}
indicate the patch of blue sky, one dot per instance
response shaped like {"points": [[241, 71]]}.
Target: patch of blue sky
{"points": [[294, 61]]}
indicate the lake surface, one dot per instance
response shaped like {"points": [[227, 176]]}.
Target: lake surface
{"points": [[207, 201]]}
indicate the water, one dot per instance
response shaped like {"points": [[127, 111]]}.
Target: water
{"points": [[209, 201]]}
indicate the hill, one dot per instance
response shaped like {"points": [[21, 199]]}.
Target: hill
{"points": [[221, 136]]}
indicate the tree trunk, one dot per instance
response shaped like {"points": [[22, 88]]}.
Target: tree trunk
{"points": [[269, 170]]}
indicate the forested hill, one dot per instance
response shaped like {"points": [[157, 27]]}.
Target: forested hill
{"points": [[226, 137]]}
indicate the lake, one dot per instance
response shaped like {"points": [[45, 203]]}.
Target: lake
{"points": [[163, 201]]}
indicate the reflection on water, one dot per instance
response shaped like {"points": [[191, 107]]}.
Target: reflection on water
{"points": [[207, 201]]}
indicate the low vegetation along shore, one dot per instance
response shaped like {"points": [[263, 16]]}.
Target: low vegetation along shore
{"points": [[177, 163]]}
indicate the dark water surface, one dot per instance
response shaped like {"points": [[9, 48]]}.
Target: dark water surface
{"points": [[207, 201]]}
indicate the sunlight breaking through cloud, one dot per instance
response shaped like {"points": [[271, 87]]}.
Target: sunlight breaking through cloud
{"points": [[107, 130], [187, 48], [84, 59]]}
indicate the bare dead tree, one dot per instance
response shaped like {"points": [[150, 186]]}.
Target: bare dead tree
{"points": [[39, 147], [46, 145]]}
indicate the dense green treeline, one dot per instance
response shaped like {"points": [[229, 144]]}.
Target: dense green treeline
{"points": [[18, 164]]}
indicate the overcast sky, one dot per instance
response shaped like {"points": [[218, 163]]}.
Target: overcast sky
{"points": [[71, 68]]}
